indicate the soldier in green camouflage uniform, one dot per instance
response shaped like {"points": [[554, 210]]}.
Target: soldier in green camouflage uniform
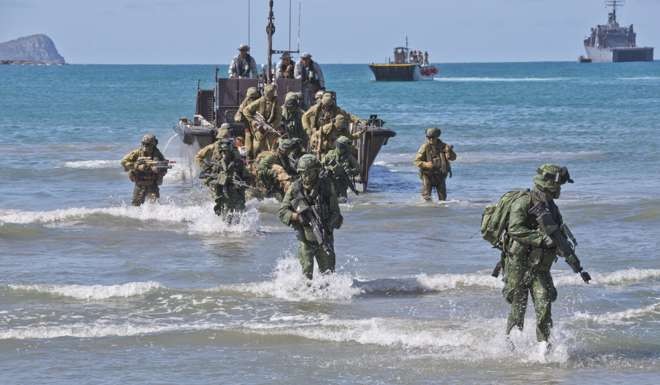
{"points": [[292, 118], [146, 178], [433, 160], [312, 189], [225, 174], [529, 253], [341, 165], [275, 171]]}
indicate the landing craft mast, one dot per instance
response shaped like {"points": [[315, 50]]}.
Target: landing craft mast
{"points": [[270, 31]]}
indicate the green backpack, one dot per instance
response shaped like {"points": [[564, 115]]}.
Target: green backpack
{"points": [[495, 219]]}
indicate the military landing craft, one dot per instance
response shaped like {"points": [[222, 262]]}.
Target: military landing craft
{"points": [[408, 65], [218, 105]]}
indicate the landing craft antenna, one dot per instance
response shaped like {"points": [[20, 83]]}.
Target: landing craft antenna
{"points": [[249, 25], [270, 31], [299, 22], [614, 4]]}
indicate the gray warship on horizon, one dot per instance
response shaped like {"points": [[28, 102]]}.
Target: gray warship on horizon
{"points": [[612, 43], [216, 106]]}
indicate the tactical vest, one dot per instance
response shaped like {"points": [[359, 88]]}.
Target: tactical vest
{"points": [[309, 74], [436, 155], [243, 65]]}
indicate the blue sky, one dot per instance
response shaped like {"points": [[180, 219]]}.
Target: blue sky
{"points": [[334, 31]]}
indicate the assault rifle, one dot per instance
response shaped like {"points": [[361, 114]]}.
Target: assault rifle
{"points": [[343, 175], [309, 215], [159, 165], [214, 168], [562, 237], [261, 123]]}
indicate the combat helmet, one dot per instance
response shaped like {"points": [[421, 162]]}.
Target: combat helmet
{"points": [[270, 90], [550, 177], [433, 132], [284, 144], [149, 139], [343, 141], [307, 162], [291, 100], [223, 131], [252, 92], [327, 99]]}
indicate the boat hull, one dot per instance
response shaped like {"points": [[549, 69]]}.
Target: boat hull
{"points": [[395, 72], [619, 55]]}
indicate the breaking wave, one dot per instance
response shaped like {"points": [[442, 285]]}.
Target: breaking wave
{"points": [[288, 283], [619, 277], [92, 292], [92, 164], [621, 317], [198, 219], [473, 340], [100, 329]]}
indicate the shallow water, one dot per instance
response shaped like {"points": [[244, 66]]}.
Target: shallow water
{"points": [[97, 291]]}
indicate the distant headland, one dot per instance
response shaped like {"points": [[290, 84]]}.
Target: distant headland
{"points": [[34, 49]]}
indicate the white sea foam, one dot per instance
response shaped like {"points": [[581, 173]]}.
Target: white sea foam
{"points": [[288, 283], [622, 317], [93, 164], [440, 282], [93, 292], [99, 329], [499, 79], [198, 219], [619, 277], [473, 340]]}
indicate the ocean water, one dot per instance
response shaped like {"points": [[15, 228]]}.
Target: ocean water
{"points": [[94, 291]]}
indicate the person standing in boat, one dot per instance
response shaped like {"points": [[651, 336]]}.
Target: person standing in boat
{"points": [[311, 75], [285, 67], [243, 66]]}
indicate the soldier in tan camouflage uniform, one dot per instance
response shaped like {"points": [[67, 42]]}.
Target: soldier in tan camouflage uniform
{"points": [[433, 160], [139, 164], [251, 95], [271, 111]]}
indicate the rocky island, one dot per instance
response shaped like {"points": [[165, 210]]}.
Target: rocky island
{"points": [[34, 49]]}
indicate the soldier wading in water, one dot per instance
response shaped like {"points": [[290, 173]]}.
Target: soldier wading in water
{"points": [[146, 168], [310, 206], [433, 160], [528, 227], [225, 174]]}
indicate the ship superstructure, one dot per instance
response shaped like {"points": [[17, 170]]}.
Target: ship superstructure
{"points": [[613, 43]]}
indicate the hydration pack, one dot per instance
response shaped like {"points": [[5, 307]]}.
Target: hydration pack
{"points": [[495, 219]]}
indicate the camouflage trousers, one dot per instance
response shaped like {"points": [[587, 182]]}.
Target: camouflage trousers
{"points": [[520, 282], [429, 181], [228, 199], [142, 191], [257, 142], [308, 251]]}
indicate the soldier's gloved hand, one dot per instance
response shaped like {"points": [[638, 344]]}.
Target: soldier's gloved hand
{"points": [[154, 169], [427, 165], [140, 167], [585, 276], [548, 243], [295, 217]]}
